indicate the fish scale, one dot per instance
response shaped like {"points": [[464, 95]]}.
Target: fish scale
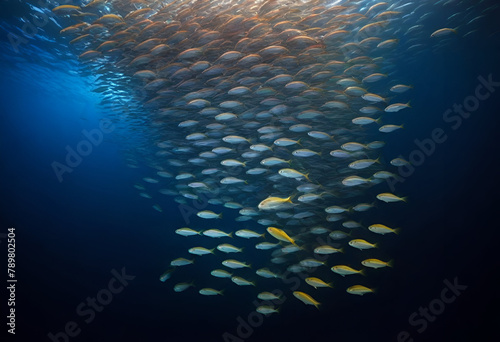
{"points": [[236, 69]]}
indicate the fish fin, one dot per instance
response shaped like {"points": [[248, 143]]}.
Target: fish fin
{"points": [[341, 250], [317, 305], [375, 245], [405, 199], [219, 216], [408, 104], [212, 250], [397, 231], [263, 235], [249, 266], [402, 126], [330, 285], [378, 120], [363, 272], [221, 292], [230, 234], [306, 175], [390, 263]]}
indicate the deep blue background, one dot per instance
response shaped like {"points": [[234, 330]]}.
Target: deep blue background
{"points": [[70, 235]]}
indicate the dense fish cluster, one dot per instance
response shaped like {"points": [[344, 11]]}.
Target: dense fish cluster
{"points": [[277, 110]]}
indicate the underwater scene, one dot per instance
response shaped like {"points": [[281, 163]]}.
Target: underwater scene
{"points": [[237, 170]]}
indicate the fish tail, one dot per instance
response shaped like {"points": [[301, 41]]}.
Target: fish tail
{"points": [[307, 176], [219, 216], [362, 272], [230, 234], [390, 263], [397, 230]]}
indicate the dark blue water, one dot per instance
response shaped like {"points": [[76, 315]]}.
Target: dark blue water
{"points": [[72, 234]]}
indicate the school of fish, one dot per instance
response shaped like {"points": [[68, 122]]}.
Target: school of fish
{"points": [[267, 116]]}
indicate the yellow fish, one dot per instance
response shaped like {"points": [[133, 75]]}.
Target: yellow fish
{"points": [[316, 282], [359, 290], [306, 299], [273, 203], [362, 244], [381, 229], [376, 263], [388, 197], [280, 235], [344, 270]]}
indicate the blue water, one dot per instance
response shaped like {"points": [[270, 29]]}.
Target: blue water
{"points": [[70, 235]]}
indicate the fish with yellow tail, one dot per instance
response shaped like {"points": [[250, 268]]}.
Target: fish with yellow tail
{"points": [[376, 263], [359, 290], [388, 198], [274, 203], [382, 229], [362, 244], [316, 282], [306, 299], [280, 235]]}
